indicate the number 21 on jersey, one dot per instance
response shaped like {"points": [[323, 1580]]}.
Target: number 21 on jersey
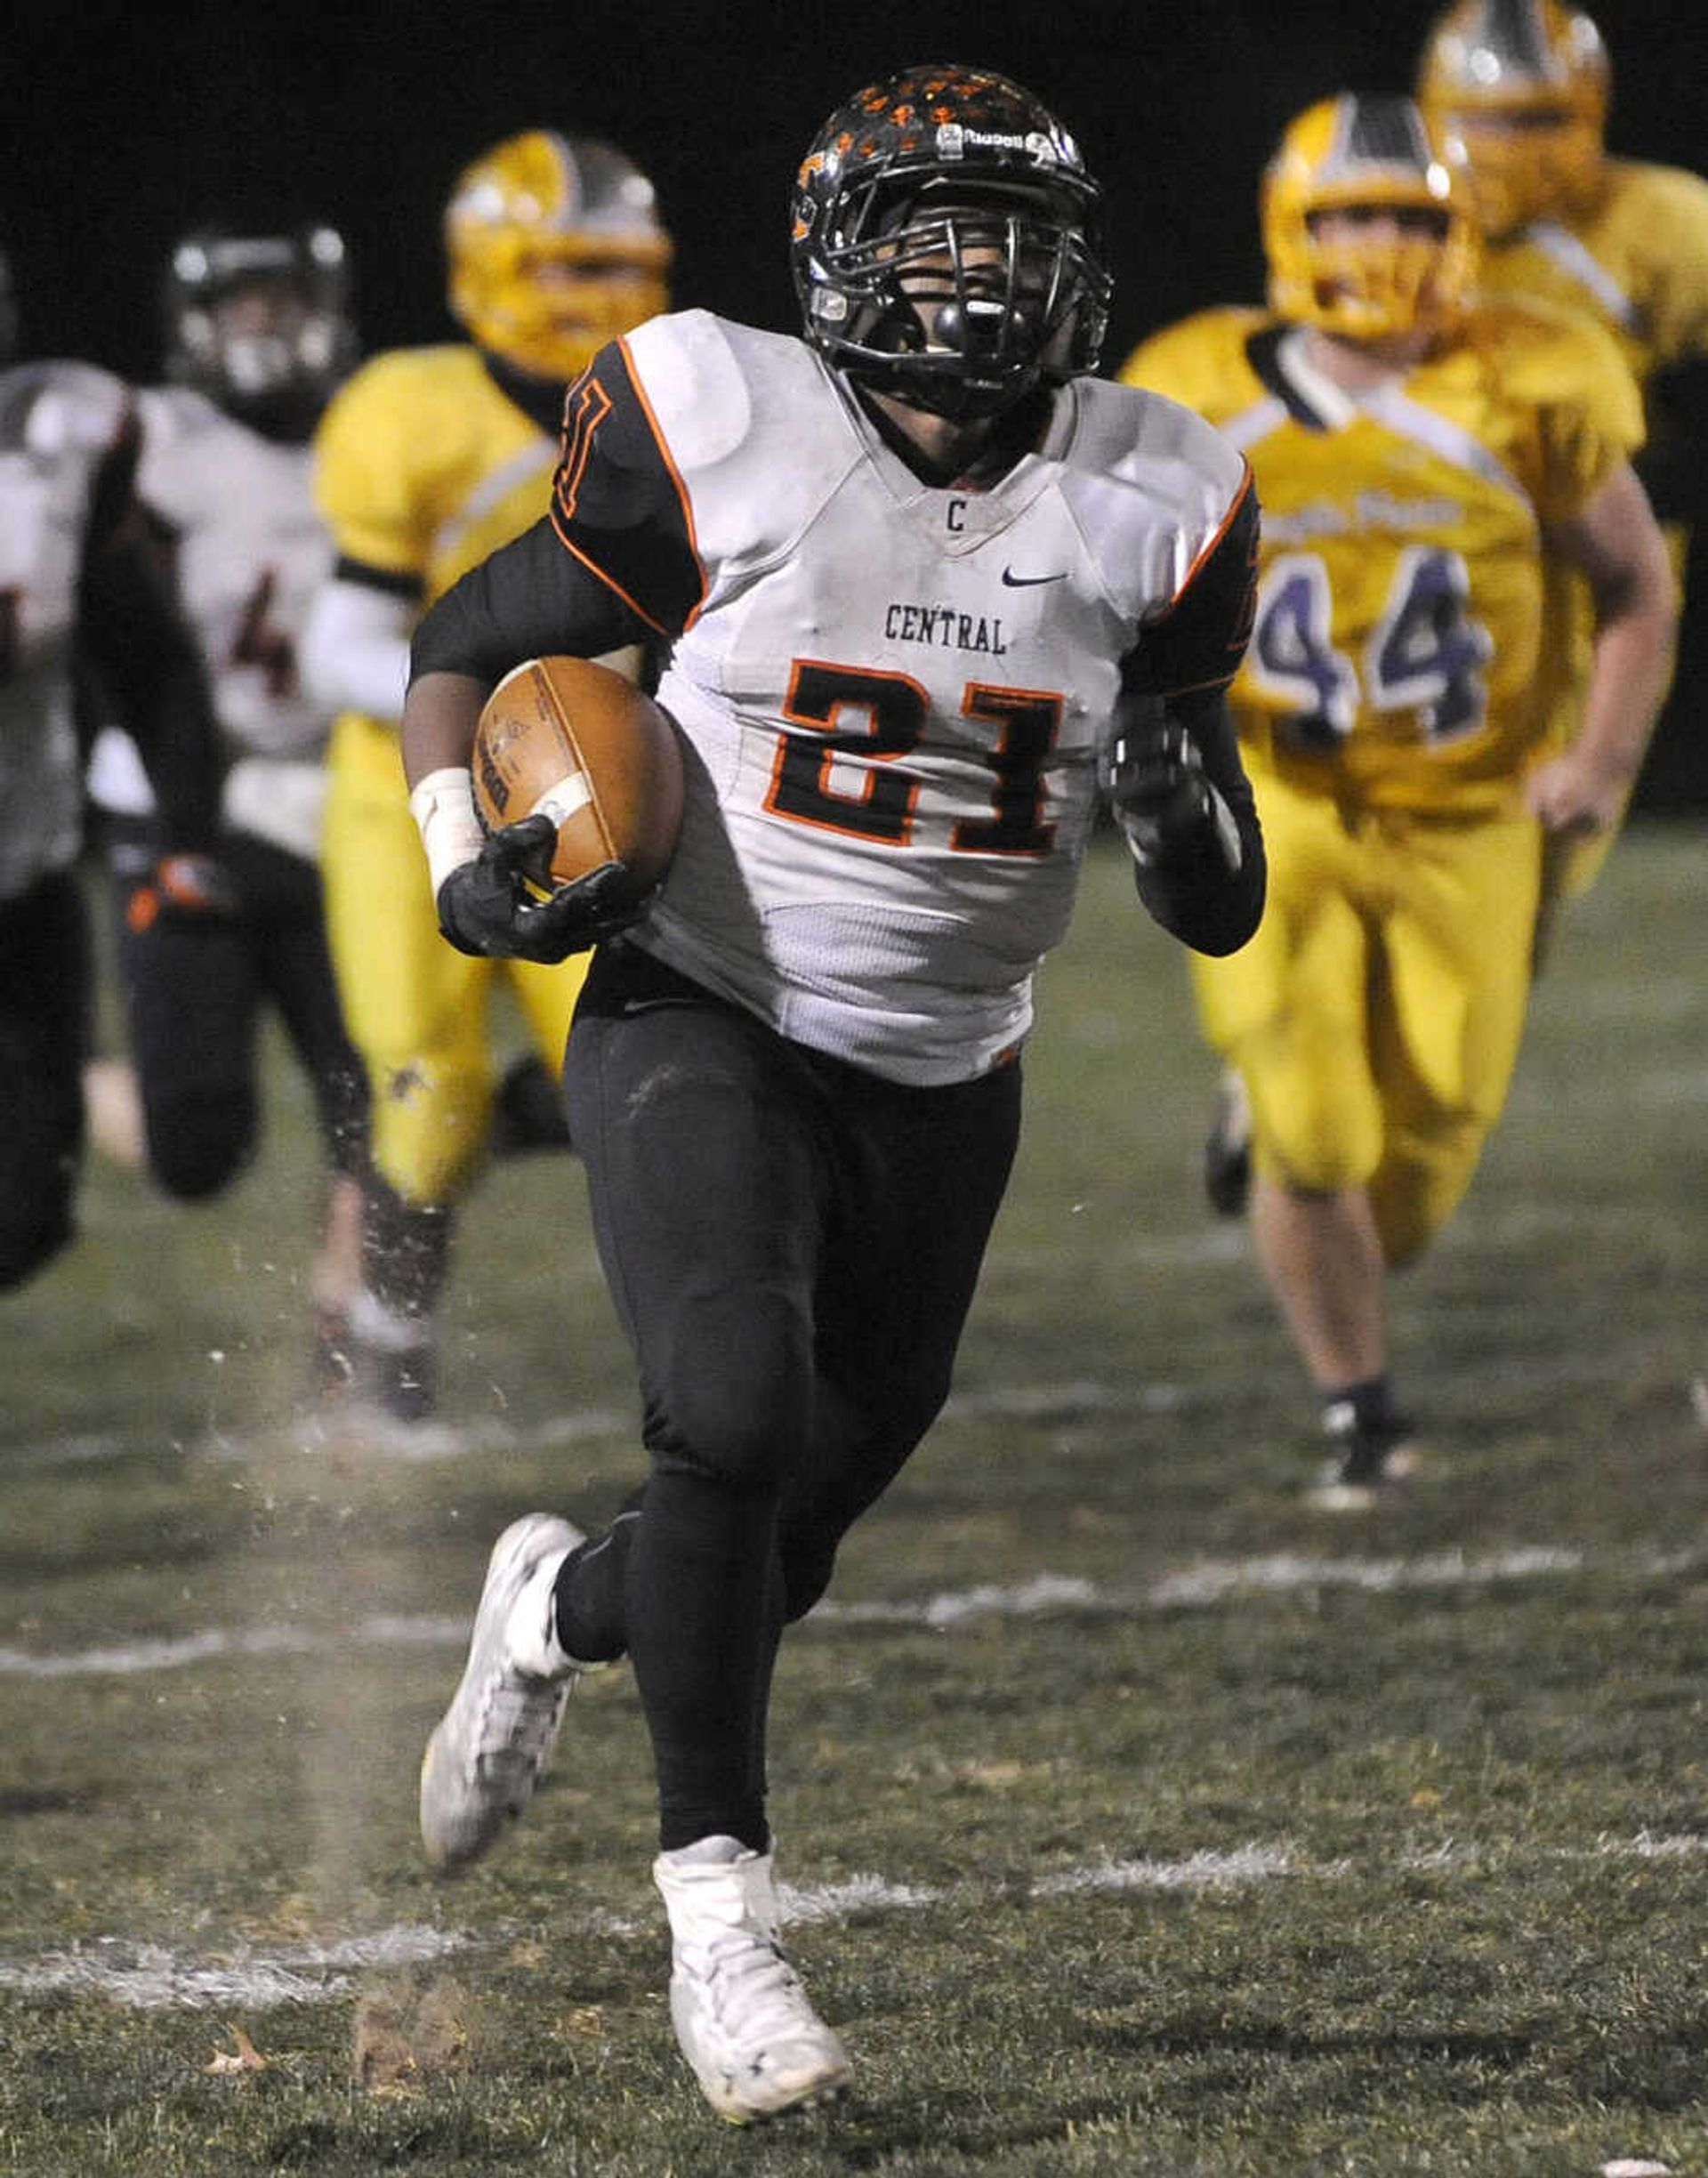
{"points": [[1424, 652], [881, 716]]}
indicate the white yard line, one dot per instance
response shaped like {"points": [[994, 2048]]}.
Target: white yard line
{"points": [[154, 1976], [1201, 1585]]}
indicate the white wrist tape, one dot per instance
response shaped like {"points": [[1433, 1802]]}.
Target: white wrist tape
{"points": [[443, 806]]}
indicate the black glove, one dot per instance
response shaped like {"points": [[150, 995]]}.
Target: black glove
{"points": [[182, 892], [486, 908], [1155, 782]]}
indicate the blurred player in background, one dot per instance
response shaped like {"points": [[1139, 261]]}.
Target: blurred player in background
{"points": [[1426, 462], [78, 571], [927, 584], [1523, 85], [257, 336], [428, 460]]}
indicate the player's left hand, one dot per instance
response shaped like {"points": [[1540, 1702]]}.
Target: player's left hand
{"points": [[1154, 779], [487, 908], [1572, 796], [183, 890]]}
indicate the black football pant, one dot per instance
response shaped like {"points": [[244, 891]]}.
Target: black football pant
{"points": [[793, 1245], [194, 986], [46, 979]]}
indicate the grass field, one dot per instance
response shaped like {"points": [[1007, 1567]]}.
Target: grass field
{"points": [[1139, 1819]]}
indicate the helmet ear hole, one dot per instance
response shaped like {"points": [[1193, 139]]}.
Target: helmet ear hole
{"points": [[946, 243]]}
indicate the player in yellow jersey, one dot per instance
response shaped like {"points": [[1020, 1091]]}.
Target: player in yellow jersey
{"points": [[1524, 86], [1425, 464], [428, 460]]}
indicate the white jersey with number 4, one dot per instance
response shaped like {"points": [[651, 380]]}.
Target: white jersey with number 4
{"points": [[251, 550], [894, 696]]}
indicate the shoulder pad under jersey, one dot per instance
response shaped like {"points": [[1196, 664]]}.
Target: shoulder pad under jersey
{"points": [[751, 423], [54, 410], [1151, 485]]}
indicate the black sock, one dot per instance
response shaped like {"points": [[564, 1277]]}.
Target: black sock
{"points": [[1375, 1411], [587, 1600]]}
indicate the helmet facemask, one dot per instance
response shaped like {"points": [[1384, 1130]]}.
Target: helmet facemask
{"points": [[1378, 285], [955, 302]]}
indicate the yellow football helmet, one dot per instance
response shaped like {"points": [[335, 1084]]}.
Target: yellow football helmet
{"points": [[555, 247], [1523, 84], [1350, 153]]}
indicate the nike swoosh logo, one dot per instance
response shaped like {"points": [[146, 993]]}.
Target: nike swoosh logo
{"points": [[1029, 582]]}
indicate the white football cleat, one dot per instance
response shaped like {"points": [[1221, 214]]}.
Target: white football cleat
{"points": [[490, 1748], [756, 2046]]}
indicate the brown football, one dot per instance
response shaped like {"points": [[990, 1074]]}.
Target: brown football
{"points": [[565, 739]]}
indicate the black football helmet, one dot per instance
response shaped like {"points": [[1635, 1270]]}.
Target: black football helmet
{"points": [[948, 243], [275, 366]]}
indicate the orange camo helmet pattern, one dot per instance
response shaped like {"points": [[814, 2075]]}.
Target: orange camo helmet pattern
{"points": [[1350, 152], [1523, 84], [554, 248]]}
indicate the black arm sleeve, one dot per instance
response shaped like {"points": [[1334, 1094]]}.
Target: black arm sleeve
{"points": [[1673, 462], [130, 622], [1201, 639], [1199, 900], [531, 599], [1184, 663]]}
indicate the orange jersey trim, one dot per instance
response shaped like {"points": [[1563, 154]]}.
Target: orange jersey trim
{"points": [[675, 477]]}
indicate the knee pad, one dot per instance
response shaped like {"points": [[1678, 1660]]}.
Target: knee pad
{"points": [[198, 1145], [807, 1569], [1420, 1182], [738, 1404]]}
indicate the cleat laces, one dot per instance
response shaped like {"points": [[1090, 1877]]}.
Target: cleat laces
{"points": [[518, 1723]]}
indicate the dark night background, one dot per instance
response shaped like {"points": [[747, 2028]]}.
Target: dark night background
{"points": [[120, 129]]}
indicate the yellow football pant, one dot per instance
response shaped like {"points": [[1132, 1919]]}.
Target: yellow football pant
{"points": [[415, 1007], [1375, 1016]]}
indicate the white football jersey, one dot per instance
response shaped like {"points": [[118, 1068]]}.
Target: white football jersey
{"points": [[894, 697], [251, 550], [58, 422]]}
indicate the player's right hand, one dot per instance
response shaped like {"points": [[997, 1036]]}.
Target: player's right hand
{"points": [[182, 891], [1160, 795], [487, 906]]}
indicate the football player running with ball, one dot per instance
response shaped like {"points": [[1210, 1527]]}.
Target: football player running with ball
{"points": [[1429, 465], [428, 460], [926, 586]]}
